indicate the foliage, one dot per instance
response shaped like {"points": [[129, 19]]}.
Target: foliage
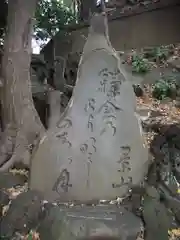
{"points": [[164, 88], [3, 19], [139, 64], [158, 54], [32, 236], [51, 16], [161, 53]]}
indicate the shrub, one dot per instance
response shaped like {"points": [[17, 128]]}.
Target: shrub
{"points": [[158, 54], [164, 88], [139, 64]]}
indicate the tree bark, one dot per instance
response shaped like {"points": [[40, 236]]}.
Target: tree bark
{"points": [[22, 123]]}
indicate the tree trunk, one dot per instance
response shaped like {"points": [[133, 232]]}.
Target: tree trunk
{"points": [[22, 123]]}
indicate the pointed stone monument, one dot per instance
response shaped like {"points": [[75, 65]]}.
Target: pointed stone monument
{"points": [[96, 149]]}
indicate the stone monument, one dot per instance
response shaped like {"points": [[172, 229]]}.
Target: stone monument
{"points": [[96, 150]]}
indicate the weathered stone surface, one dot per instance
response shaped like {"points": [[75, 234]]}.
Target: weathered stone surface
{"points": [[54, 224], [54, 98], [174, 62], [4, 200], [96, 149], [9, 180], [79, 222], [59, 80], [23, 214], [155, 216]]}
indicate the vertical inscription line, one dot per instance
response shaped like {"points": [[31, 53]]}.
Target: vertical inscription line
{"points": [[88, 149], [124, 167]]}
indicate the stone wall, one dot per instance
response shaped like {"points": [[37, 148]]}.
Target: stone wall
{"points": [[149, 27], [157, 27]]}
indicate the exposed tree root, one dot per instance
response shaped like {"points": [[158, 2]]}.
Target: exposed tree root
{"points": [[24, 125], [18, 148]]}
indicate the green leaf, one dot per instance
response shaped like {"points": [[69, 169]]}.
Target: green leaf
{"points": [[52, 16], [30, 236]]}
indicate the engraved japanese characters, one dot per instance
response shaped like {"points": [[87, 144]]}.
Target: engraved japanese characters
{"points": [[96, 149]]}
